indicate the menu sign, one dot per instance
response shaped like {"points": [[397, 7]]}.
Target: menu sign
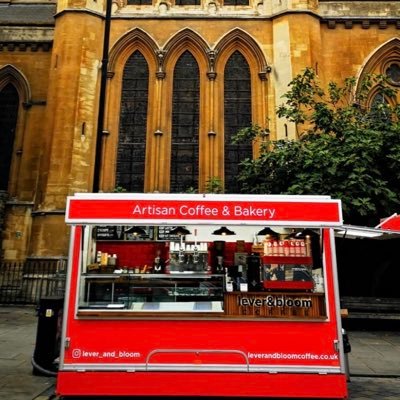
{"points": [[109, 232], [118, 232], [163, 233]]}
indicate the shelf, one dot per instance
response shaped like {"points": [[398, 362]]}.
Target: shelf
{"points": [[194, 306], [288, 285], [188, 251], [127, 289], [169, 276], [287, 260]]}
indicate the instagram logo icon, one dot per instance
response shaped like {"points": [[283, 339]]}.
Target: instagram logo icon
{"points": [[76, 353]]}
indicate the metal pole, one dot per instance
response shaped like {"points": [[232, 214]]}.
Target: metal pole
{"points": [[102, 98]]}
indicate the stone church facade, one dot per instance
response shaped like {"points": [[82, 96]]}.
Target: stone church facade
{"points": [[145, 95]]}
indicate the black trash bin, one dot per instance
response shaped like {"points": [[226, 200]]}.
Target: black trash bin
{"points": [[347, 350], [48, 336]]}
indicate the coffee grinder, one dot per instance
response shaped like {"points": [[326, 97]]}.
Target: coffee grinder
{"points": [[253, 272]]}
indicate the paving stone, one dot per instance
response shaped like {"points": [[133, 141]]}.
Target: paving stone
{"points": [[373, 355]]}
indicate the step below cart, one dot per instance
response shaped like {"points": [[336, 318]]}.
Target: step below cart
{"points": [[202, 295]]}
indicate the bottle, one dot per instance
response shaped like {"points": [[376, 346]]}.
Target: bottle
{"points": [[104, 259], [308, 245], [286, 248], [112, 260]]}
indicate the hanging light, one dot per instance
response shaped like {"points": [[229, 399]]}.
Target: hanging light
{"points": [[136, 231], [292, 235], [179, 230], [268, 231], [223, 231], [306, 232]]}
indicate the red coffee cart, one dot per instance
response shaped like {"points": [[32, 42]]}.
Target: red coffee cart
{"points": [[202, 295]]}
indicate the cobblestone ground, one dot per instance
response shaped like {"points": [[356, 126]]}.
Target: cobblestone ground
{"points": [[374, 388]]}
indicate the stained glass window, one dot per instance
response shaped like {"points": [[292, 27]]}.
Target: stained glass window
{"points": [[9, 101], [185, 125], [132, 132], [237, 106]]}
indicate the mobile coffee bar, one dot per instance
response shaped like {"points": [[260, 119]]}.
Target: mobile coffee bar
{"points": [[202, 295]]}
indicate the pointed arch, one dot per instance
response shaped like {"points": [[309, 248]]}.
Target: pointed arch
{"points": [[14, 91], [9, 101], [239, 46], [184, 170], [237, 115], [187, 39], [138, 42], [10, 74], [237, 39], [136, 39], [379, 57], [132, 137], [188, 45], [380, 61]]}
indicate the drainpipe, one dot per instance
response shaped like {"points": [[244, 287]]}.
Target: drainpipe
{"points": [[102, 98]]}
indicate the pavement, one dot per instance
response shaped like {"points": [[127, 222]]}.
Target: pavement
{"points": [[374, 360]]}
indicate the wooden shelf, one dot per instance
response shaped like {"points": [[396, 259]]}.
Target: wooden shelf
{"points": [[275, 305]]}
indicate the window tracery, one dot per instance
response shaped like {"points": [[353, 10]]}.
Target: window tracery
{"points": [[385, 61], [393, 72], [199, 97]]}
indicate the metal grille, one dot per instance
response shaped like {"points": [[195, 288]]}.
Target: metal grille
{"points": [[8, 119], [139, 2], [236, 2], [237, 113], [185, 125], [27, 282], [132, 133], [187, 2]]}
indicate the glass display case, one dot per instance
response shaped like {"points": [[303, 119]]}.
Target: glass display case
{"points": [[152, 292]]}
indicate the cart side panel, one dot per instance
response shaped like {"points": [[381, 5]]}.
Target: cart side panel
{"points": [[306, 386], [121, 354], [71, 290]]}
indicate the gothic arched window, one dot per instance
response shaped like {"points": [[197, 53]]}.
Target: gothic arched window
{"points": [[185, 125], [132, 132], [237, 115], [9, 101]]}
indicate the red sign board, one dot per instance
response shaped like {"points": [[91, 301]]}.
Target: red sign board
{"points": [[172, 209], [391, 223]]}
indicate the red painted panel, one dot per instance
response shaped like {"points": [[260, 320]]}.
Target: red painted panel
{"points": [[392, 223], [175, 384], [270, 344], [167, 210]]}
